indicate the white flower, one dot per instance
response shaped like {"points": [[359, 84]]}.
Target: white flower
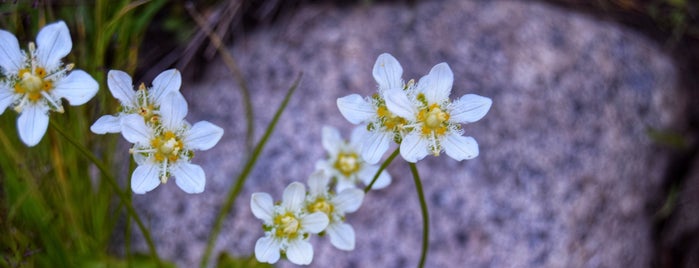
{"points": [[335, 206], [382, 124], [144, 102], [345, 162], [35, 81], [434, 121], [164, 149], [287, 226]]}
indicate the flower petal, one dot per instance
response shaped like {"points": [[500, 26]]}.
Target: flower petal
{"points": [[135, 130], [437, 84], [318, 183], [300, 252], [267, 250], [32, 123], [398, 103], [293, 196], [356, 109], [11, 58], [145, 178], [7, 97], [341, 235], [121, 87], [470, 108], [262, 206], [166, 82], [460, 147], [349, 200], [189, 177], [315, 222], [332, 140], [367, 173], [358, 135], [387, 72], [344, 183], [375, 145], [106, 124], [203, 135], [414, 147], [173, 109], [53, 43], [78, 87]]}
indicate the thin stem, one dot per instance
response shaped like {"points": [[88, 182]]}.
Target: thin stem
{"points": [[425, 215], [123, 197], [381, 168], [242, 177]]}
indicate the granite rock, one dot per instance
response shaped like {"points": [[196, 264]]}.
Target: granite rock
{"points": [[567, 175]]}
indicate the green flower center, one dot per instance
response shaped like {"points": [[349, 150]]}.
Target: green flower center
{"points": [[288, 226]]}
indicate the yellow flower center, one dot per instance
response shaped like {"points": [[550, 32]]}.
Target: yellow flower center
{"points": [[167, 146], [288, 226], [434, 120], [347, 163], [390, 121], [321, 205], [33, 83]]}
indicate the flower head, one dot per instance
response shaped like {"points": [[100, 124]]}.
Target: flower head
{"points": [[345, 162], [287, 226], [434, 121], [36, 81], [144, 101], [164, 148], [335, 206]]}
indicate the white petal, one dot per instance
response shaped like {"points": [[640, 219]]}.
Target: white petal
{"points": [[11, 58], [145, 178], [398, 103], [341, 235], [315, 222], [300, 252], [375, 145], [318, 183], [203, 135], [293, 196], [135, 130], [78, 87], [189, 177], [121, 87], [53, 43], [6, 97], [387, 72], [173, 109], [367, 173], [262, 206], [166, 82], [356, 109], [470, 108], [32, 123], [357, 137], [332, 140], [460, 147], [106, 124], [437, 84], [414, 147], [267, 250], [349, 200], [344, 183]]}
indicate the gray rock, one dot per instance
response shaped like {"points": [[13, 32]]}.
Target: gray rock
{"points": [[567, 176]]}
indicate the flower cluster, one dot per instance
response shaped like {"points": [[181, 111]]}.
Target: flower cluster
{"points": [[288, 225], [418, 116], [164, 143], [35, 81]]}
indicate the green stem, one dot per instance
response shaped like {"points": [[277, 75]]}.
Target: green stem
{"points": [[242, 177], [123, 197], [381, 168], [425, 215]]}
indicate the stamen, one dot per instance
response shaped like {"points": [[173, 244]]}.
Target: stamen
{"points": [[19, 107], [163, 177], [57, 106]]}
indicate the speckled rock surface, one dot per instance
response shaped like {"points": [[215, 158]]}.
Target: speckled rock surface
{"points": [[567, 176]]}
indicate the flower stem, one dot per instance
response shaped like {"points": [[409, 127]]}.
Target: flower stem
{"points": [[425, 215], [242, 177], [381, 168], [123, 197]]}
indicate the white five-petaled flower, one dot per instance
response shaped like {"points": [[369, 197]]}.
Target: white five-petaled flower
{"points": [[434, 122], [345, 162], [335, 206], [144, 102], [35, 81], [287, 226], [382, 124], [165, 148]]}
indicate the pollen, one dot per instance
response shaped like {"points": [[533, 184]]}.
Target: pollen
{"points": [[434, 120], [167, 146], [321, 205], [33, 83], [347, 163], [288, 226]]}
